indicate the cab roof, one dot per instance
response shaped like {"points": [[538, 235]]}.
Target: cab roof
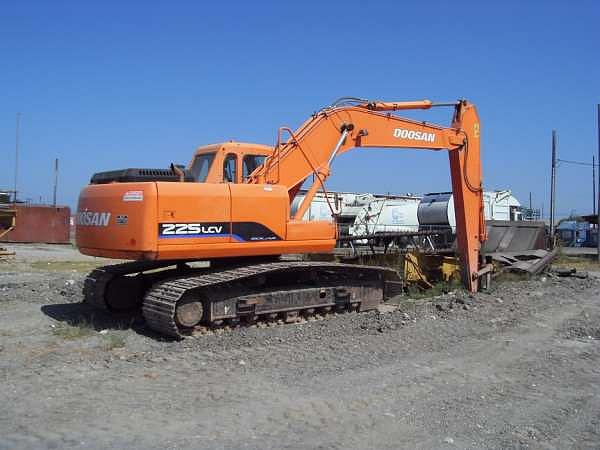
{"points": [[236, 147]]}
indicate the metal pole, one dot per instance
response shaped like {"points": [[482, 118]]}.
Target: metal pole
{"points": [[55, 181], [593, 185], [553, 189], [598, 208], [17, 155]]}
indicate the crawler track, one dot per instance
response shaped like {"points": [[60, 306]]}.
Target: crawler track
{"points": [[179, 300], [119, 288], [263, 291]]}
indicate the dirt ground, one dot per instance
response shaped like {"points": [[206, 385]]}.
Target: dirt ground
{"points": [[517, 367]]}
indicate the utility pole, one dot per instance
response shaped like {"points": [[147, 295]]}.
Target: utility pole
{"points": [[530, 202], [55, 181], [594, 184], [17, 155], [598, 208], [553, 189]]}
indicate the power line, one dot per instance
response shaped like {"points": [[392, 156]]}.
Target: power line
{"points": [[580, 163]]}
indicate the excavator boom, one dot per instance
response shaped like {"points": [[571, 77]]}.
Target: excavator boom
{"points": [[310, 150]]}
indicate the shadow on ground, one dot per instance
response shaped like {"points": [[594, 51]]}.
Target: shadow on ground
{"points": [[79, 314]]}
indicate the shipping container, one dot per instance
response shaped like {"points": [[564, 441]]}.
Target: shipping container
{"points": [[40, 224]]}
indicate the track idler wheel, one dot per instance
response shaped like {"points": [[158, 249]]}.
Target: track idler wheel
{"points": [[189, 314]]}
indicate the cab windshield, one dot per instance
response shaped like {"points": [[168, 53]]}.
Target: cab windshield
{"points": [[201, 166]]}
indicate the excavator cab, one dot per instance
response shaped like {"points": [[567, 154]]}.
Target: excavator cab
{"points": [[230, 162]]}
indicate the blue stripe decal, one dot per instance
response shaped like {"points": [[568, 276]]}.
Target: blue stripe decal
{"points": [[234, 236]]}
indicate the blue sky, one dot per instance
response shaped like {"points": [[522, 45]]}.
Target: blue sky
{"points": [[105, 85]]}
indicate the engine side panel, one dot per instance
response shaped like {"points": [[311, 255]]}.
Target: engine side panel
{"points": [[193, 214], [259, 212], [112, 220]]}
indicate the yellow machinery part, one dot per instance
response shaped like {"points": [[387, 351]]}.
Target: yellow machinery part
{"points": [[7, 223], [428, 269]]}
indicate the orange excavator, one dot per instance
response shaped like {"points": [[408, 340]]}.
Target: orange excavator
{"points": [[230, 208]]}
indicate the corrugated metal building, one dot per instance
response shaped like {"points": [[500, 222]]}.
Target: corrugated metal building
{"points": [[40, 224]]}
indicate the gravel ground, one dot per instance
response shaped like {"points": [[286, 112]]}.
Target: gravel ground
{"points": [[517, 367]]}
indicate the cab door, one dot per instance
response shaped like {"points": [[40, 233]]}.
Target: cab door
{"points": [[193, 214], [230, 169]]}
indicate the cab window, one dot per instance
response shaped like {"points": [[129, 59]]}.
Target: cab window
{"points": [[230, 168], [201, 166], [250, 163]]}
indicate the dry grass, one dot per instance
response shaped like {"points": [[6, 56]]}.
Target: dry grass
{"points": [[111, 341], [578, 262], [65, 266], [505, 276], [76, 331], [442, 287]]}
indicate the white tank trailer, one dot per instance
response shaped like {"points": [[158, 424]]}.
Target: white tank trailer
{"points": [[407, 214], [392, 215], [438, 209], [364, 214], [345, 205]]}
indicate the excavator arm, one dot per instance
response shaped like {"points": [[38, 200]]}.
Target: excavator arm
{"points": [[310, 150]]}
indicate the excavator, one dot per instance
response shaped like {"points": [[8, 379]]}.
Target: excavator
{"points": [[205, 243]]}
